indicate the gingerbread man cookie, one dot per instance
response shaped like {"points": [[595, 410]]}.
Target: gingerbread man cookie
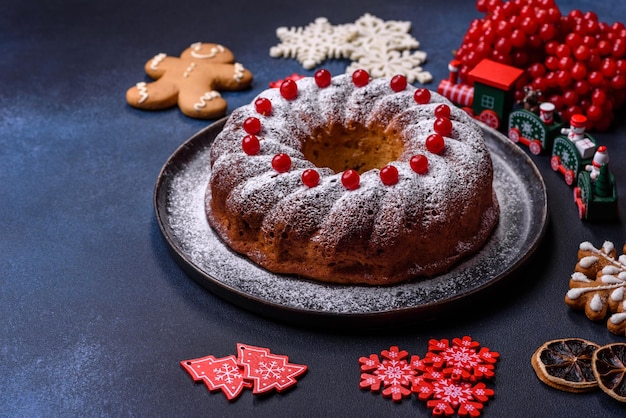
{"points": [[192, 81]]}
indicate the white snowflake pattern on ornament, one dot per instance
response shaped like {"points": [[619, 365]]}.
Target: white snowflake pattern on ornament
{"points": [[228, 373], [269, 370]]}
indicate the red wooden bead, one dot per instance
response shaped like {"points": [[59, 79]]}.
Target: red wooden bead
{"points": [[281, 163], [322, 78], [389, 175], [250, 145], [350, 179], [360, 78], [419, 163], [289, 89], [398, 83], [443, 126], [310, 177], [435, 143], [421, 96], [263, 106], [252, 125]]}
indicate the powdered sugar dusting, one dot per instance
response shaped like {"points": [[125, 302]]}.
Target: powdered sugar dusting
{"points": [[452, 193], [519, 189]]}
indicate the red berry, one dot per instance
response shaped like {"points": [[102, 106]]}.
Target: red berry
{"points": [[609, 67], [573, 40], [566, 63], [281, 163], [618, 82], [252, 125], [595, 78], [250, 145], [435, 143], [540, 83], [503, 46], [398, 83], [594, 113], [582, 87], [537, 70], [322, 78], [350, 179], [289, 89], [570, 98], [389, 175], [263, 106], [578, 71], [548, 31], [604, 47], [360, 78], [443, 126], [310, 177], [519, 39], [422, 96], [582, 52], [529, 25], [552, 63], [598, 97], [419, 163], [563, 50], [442, 111], [564, 78]]}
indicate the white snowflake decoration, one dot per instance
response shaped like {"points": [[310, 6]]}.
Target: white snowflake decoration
{"points": [[383, 48], [269, 370], [227, 373], [315, 43]]}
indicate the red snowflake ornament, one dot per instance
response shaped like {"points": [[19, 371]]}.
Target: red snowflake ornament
{"points": [[445, 396], [461, 360], [393, 372], [448, 378], [218, 374], [267, 371]]}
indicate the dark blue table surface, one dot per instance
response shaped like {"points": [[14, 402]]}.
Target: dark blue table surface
{"points": [[95, 312]]}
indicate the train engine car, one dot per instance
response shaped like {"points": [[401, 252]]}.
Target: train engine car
{"points": [[573, 152], [490, 98], [596, 192], [536, 131]]}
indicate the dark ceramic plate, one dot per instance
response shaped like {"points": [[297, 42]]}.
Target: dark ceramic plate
{"points": [[179, 204]]}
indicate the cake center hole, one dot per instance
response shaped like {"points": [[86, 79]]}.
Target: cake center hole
{"points": [[359, 149]]}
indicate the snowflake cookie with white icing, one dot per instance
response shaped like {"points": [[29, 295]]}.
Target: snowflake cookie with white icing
{"points": [[598, 285], [192, 81], [383, 48]]}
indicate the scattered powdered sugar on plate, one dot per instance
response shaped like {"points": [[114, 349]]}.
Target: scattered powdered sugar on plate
{"points": [[179, 201]]}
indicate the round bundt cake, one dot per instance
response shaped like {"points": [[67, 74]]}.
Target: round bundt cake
{"points": [[351, 180]]}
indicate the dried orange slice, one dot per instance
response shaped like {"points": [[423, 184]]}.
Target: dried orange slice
{"points": [[609, 367], [565, 364]]}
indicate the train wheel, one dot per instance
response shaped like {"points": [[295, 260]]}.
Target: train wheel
{"points": [[535, 147], [514, 135], [469, 111], [555, 162], [569, 177], [489, 118]]}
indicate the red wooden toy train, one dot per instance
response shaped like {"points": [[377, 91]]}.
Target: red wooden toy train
{"points": [[575, 153]]}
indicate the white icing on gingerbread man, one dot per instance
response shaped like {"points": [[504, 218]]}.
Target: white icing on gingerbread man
{"points": [[192, 81]]}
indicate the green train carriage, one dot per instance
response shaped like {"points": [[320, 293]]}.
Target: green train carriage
{"points": [[567, 160], [596, 199], [527, 128]]}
